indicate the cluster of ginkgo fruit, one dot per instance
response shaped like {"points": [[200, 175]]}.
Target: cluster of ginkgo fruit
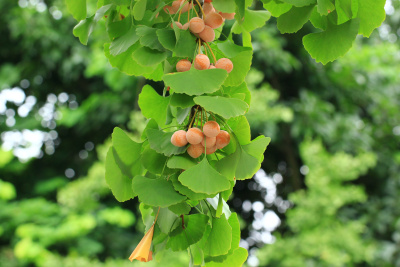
{"points": [[206, 141], [203, 28]]}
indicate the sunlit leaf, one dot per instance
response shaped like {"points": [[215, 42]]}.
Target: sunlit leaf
{"points": [[219, 240], [371, 14], [153, 105], [225, 107], [334, 42], [77, 8], [203, 178], [156, 192], [196, 82]]}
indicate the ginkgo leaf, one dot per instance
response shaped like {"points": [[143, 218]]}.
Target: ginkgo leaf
{"points": [[156, 192], [223, 106], [196, 82], [203, 178], [161, 142], [182, 238], [153, 105], [219, 240]]}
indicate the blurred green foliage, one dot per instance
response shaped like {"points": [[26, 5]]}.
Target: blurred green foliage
{"points": [[345, 211]]}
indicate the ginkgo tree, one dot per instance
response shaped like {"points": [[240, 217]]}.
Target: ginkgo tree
{"points": [[183, 199]]}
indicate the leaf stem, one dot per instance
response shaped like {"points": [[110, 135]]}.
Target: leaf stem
{"points": [[194, 116]]}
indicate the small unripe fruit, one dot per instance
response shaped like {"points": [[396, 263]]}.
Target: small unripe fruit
{"points": [[212, 67], [222, 139], [179, 138], [196, 25], [183, 65], [211, 150], [208, 7], [224, 63], [207, 35], [214, 20], [194, 136], [211, 129], [176, 5], [208, 142], [185, 26], [227, 16], [195, 151], [201, 62], [178, 24]]}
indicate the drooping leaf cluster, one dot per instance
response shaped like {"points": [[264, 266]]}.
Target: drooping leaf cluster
{"points": [[188, 196]]}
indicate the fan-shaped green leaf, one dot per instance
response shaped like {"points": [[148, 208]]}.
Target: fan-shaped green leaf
{"points": [[156, 192], [119, 183], [153, 105], [186, 44], [236, 259], [139, 9], [182, 238], [180, 208], [196, 82], [334, 42], [276, 7], [219, 240], [226, 6], [225, 107], [182, 100], [254, 19], [371, 14], [203, 178], [153, 161], [167, 38], [85, 27], [186, 191], [240, 56], [325, 7], [294, 20], [77, 8], [121, 44], [181, 162], [148, 37], [125, 63], [149, 57]]}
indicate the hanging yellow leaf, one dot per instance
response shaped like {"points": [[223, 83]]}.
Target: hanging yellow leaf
{"points": [[142, 251]]}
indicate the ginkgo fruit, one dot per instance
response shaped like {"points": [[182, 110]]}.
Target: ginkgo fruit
{"points": [[211, 150], [194, 136], [176, 5], [186, 6], [227, 16], [212, 66], [185, 26], [208, 7], [178, 24], [207, 35], [168, 10], [183, 65], [211, 129], [222, 139], [224, 63], [208, 142], [196, 25], [179, 138], [214, 20], [195, 151], [201, 62]]}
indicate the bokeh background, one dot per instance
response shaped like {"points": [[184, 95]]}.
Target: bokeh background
{"points": [[328, 193]]}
